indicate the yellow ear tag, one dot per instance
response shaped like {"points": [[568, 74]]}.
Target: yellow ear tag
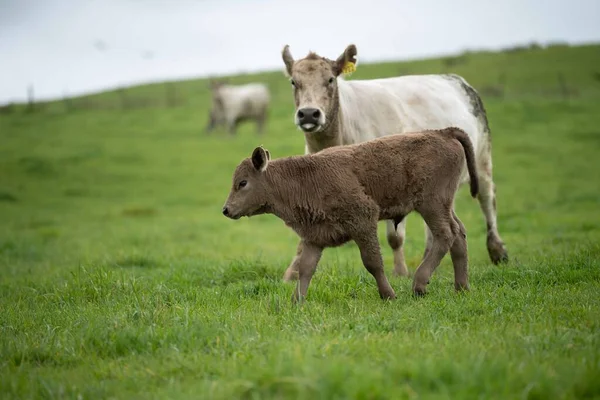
{"points": [[349, 68]]}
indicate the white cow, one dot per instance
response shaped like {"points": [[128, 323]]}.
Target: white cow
{"points": [[235, 104], [332, 111]]}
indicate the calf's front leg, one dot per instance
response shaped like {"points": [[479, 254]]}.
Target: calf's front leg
{"points": [[306, 262], [291, 273]]}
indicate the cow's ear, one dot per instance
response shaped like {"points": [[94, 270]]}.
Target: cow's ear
{"points": [[260, 159], [346, 62], [288, 60]]}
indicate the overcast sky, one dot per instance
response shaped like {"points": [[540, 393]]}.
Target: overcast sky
{"points": [[78, 46]]}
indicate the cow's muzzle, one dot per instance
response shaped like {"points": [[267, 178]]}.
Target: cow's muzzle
{"points": [[309, 119]]}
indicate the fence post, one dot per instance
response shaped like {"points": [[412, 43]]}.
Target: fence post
{"points": [[123, 97], [30, 99], [562, 84], [171, 94], [68, 103], [502, 84]]}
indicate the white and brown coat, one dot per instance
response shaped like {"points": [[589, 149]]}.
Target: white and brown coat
{"points": [[332, 111]]}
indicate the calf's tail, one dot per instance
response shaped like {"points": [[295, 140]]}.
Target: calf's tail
{"points": [[467, 145]]}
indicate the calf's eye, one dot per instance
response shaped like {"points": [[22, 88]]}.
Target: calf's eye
{"points": [[331, 80], [293, 82], [242, 184]]}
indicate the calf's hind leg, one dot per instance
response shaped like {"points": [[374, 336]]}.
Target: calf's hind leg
{"points": [[440, 224], [460, 258]]}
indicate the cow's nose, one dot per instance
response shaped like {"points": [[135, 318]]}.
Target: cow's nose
{"points": [[225, 211], [309, 116]]}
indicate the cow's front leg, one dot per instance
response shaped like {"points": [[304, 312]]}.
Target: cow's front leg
{"points": [[260, 123], [231, 127], [395, 238], [428, 240]]}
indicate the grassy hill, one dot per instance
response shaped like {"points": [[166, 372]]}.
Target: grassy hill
{"points": [[119, 277]]}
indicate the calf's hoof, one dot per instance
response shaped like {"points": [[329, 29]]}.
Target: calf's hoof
{"points": [[461, 287], [388, 295], [497, 251], [420, 288]]}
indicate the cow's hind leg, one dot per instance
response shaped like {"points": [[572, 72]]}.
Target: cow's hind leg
{"points": [[395, 238], [487, 201]]}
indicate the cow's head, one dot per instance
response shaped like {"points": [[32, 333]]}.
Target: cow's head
{"points": [[248, 195], [216, 114], [314, 82]]}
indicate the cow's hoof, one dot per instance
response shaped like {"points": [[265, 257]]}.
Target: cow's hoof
{"points": [[401, 271], [497, 251]]}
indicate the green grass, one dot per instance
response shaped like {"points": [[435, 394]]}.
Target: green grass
{"points": [[119, 277]]}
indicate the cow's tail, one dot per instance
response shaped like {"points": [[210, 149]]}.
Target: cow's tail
{"points": [[467, 145]]}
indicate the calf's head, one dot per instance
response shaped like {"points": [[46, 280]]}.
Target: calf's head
{"points": [[314, 82], [248, 195]]}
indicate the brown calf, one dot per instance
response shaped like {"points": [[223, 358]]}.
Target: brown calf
{"points": [[340, 193]]}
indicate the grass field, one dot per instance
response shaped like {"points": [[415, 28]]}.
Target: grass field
{"points": [[120, 278]]}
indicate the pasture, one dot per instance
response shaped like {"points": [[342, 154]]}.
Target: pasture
{"points": [[120, 277]]}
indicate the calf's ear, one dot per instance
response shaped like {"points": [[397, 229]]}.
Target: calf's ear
{"points": [[260, 159], [346, 62], [288, 60]]}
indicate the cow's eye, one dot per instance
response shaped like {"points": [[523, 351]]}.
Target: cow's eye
{"points": [[293, 82], [331, 80], [242, 184]]}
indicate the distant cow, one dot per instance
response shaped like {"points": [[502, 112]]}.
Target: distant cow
{"points": [[340, 193], [332, 111], [234, 104]]}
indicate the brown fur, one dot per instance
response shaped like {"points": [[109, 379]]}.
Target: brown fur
{"points": [[340, 193]]}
